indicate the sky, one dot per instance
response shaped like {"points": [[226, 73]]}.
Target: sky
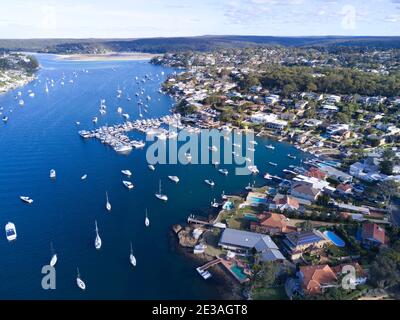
{"points": [[170, 18]]}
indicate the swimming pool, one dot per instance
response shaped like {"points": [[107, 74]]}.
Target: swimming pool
{"points": [[239, 273], [337, 241]]}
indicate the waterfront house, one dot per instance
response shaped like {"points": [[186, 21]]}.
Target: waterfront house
{"points": [[372, 235], [255, 199], [245, 243], [271, 223], [315, 279], [297, 243], [305, 191], [336, 174], [285, 202], [344, 189], [316, 173]]}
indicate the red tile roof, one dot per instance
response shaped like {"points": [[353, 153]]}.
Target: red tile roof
{"points": [[316, 173], [315, 276], [373, 231], [289, 201]]}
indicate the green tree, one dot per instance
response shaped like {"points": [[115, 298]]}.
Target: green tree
{"points": [[385, 269], [306, 226]]}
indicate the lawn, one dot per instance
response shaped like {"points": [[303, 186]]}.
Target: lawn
{"points": [[272, 293]]}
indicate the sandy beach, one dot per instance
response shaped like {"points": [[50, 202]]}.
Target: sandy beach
{"points": [[111, 56]]}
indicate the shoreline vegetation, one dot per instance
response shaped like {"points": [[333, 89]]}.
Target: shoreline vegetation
{"points": [[110, 56], [16, 70]]}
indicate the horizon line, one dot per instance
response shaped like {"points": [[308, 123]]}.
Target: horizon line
{"points": [[200, 36]]}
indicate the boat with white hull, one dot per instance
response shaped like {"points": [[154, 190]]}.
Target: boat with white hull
{"points": [[11, 231]]}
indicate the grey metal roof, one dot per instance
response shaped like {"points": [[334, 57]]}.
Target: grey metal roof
{"points": [[271, 255], [247, 239]]}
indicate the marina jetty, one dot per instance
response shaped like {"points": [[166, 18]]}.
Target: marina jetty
{"points": [[115, 136]]}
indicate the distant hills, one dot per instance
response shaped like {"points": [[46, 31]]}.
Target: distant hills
{"points": [[202, 43]]}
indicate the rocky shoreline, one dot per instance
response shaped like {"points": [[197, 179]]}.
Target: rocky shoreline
{"points": [[226, 285]]}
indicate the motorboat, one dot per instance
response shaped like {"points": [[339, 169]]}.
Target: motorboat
{"points": [[209, 182], [267, 176], [26, 199], [84, 177], [11, 231], [52, 174], [272, 164], [128, 173], [270, 146], [128, 184], [123, 149], [174, 178], [151, 167], [223, 171], [253, 169]]}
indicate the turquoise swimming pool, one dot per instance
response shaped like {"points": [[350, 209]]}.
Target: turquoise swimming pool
{"points": [[239, 272], [337, 241]]}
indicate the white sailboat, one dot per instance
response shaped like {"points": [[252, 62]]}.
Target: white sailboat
{"points": [[132, 258], [159, 195], [108, 204], [97, 241], [79, 281], [53, 259], [146, 220]]}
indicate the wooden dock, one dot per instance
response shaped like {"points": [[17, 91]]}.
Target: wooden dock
{"points": [[210, 264]]}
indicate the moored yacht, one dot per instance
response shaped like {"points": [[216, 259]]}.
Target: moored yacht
{"points": [[53, 259], [108, 204], [97, 240], [146, 220], [159, 195], [151, 167], [223, 171], [80, 282], [132, 258]]}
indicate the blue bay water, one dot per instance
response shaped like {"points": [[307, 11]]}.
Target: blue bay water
{"points": [[43, 135]]}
